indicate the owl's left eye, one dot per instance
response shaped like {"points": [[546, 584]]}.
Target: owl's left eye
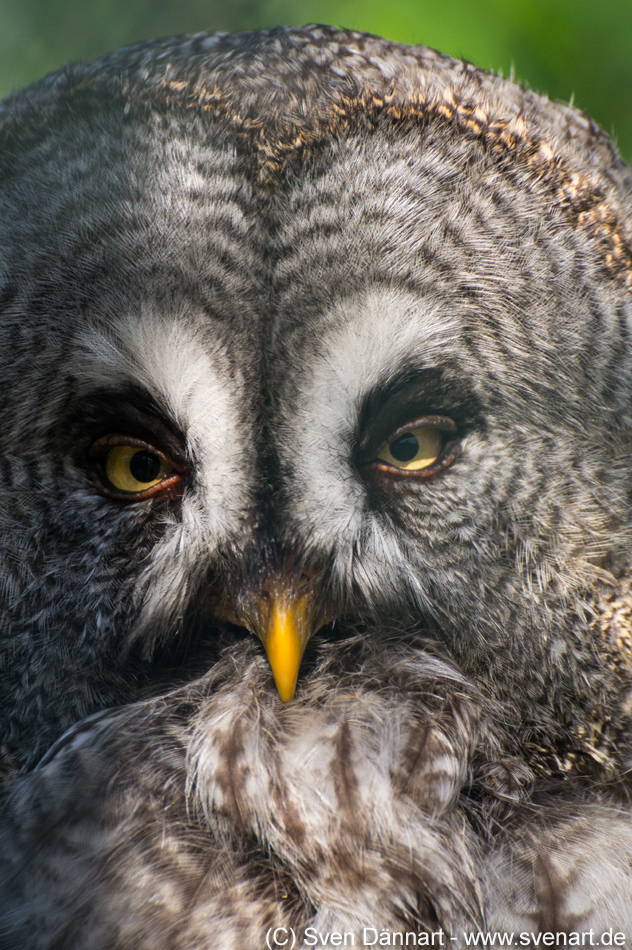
{"points": [[421, 447], [131, 469], [413, 450]]}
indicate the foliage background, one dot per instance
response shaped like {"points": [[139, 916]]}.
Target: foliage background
{"points": [[579, 49]]}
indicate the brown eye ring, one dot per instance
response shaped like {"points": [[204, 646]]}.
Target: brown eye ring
{"points": [[171, 483], [450, 451]]}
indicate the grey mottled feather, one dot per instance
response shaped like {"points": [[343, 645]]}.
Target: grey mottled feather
{"points": [[264, 253]]}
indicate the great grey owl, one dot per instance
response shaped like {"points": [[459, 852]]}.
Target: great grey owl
{"points": [[317, 337]]}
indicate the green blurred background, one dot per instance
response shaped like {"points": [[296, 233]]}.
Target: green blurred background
{"points": [[579, 49]]}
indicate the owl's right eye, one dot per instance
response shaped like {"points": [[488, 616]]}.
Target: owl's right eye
{"points": [[131, 469]]}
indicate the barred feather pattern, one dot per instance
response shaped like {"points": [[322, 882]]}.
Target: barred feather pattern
{"points": [[205, 818], [264, 255]]}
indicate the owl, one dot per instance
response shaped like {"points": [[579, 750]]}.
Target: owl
{"points": [[315, 517]]}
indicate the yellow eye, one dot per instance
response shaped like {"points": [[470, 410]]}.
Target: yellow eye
{"points": [[413, 450], [130, 468]]}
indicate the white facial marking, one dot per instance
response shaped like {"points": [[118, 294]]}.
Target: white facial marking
{"points": [[189, 374], [366, 340]]}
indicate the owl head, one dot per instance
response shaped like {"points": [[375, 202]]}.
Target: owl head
{"points": [[311, 335]]}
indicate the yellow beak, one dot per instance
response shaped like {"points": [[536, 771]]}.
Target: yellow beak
{"points": [[283, 613], [284, 633]]}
